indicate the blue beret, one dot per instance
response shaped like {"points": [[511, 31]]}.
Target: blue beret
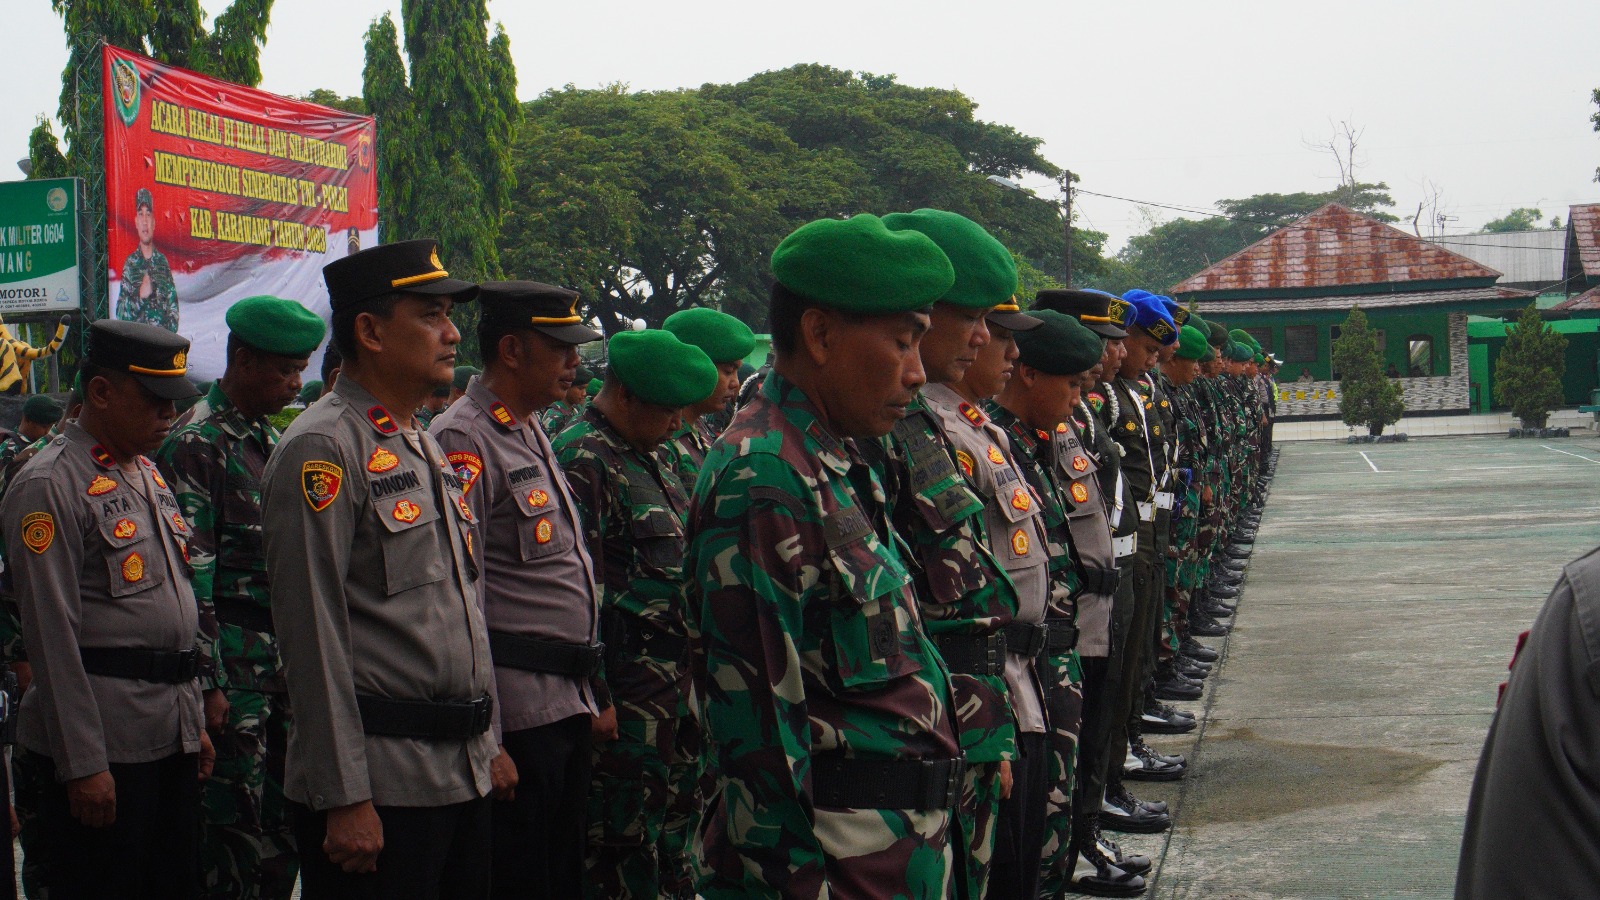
{"points": [[1151, 315]]}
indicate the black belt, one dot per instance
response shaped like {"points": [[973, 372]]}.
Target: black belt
{"points": [[425, 719], [246, 614], [628, 636], [1099, 581], [1026, 638], [1060, 636], [160, 666], [844, 782], [533, 654], [973, 654]]}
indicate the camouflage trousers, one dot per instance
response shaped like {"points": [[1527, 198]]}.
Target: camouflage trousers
{"points": [[1062, 677], [247, 847], [632, 798], [688, 772], [1182, 568], [976, 819]]}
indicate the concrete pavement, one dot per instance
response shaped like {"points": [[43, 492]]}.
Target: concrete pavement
{"points": [[1381, 608]]}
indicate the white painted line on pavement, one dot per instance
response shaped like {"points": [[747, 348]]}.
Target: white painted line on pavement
{"points": [[1584, 458], [1369, 461]]}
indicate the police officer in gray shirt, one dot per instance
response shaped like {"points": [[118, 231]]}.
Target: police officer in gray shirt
{"points": [[373, 565], [112, 727], [539, 589]]}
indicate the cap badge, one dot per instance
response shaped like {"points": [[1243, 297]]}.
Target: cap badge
{"points": [[1080, 494], [382, 461], [101, 485], [467, 467], [1019, 542], [133, 568], [406, 511], [320, 481], [380, 419], [38, 531], [180, 360], [433, 258]]}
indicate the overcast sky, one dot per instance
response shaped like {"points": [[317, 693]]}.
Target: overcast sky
{"points": [[1166, 102]]}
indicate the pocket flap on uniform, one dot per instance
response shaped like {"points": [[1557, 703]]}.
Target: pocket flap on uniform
{"points": [[124, 530], [412, 509], [656, 523]]}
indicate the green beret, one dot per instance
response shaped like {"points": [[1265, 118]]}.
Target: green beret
{"points": [[1200, 325], [858, 265], [658, 368], [986, 275], [1258, 359], [721, 336], [593, 387], [1217, 335], [463, 375], [1243, 337], [275, 325], [1191, 343], [310, 391], [1238, 352], [41, 410], [1061, 346]]}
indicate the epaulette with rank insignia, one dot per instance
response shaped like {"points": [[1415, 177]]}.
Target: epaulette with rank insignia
{"points": [[972, 414], [501, 414], [381, 420], [101, 457]]}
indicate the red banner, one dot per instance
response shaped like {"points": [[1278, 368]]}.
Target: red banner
{"points": [[216, 192]]}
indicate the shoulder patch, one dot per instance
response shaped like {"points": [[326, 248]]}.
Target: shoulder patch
{"points": [[101, 457], [381, 420], [38, 531], [100, 485], [382, 460], [972, 414], [467, 467], [502, 415], [321, 480]]}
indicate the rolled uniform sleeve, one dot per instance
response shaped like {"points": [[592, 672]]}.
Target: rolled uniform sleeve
{"points": [[50, 601], [308, 558]]}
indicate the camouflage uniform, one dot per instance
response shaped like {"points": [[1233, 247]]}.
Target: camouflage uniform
{"points": [[632, 509], [816, 668], [161, 307], [557, 416], [685, 452], [214, 462], [963, 594]]}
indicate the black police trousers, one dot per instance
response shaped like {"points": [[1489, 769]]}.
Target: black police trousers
{"points": [[151, 850], [539, 836], [429, 853]]}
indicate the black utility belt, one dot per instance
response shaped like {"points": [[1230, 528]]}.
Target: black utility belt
{"points": [[159, 666], [985, 654], [627, 636], [844, 782], [246, 614], [532, 654], [1099, 581], [438, 721]]}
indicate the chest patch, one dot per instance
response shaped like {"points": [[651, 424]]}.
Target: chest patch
{"points": [[100, 485], [1019, 542], [1020, 499], [543, 531], [995, 456], [1079, 464], [382, 460], [133, 568], [1080, 494], [406, 511], [125, 529], [537, 498]]}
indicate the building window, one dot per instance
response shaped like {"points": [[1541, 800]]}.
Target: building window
{"points": [[1300, 343], [1419, 356], [1263, 337]]}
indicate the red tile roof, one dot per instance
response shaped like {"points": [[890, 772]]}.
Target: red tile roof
{"points": [[1583, 224], [1585, 302], [1333, 248]]}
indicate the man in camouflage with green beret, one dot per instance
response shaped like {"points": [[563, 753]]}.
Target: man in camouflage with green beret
{"points": [[147, 293], [633, 509], [727, 341], [979, 557], [557, 416], [213, 459], [828, 709]]}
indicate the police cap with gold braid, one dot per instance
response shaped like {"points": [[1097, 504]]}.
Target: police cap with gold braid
{"points": [[154, 356], [1092, 309], [404, 267], [533, 304]]}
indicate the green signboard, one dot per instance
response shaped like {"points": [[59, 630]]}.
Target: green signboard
{"points": [[38, 246]]}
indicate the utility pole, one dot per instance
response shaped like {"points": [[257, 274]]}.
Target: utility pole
{"points": [[1067, 178]]}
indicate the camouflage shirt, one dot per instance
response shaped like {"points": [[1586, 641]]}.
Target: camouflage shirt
{"points": [[214, 460], [813, 645], [686, 451], [632, 508], [161, 307], [557, 416]]}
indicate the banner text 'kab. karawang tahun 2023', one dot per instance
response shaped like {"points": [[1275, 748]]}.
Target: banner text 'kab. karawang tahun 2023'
{"points": [[216, 192]]}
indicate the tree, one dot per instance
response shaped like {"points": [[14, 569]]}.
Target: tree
{"points": [[444, 158], [1522, 218], [1366, 397], [333, 100], [1527, 376]]}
